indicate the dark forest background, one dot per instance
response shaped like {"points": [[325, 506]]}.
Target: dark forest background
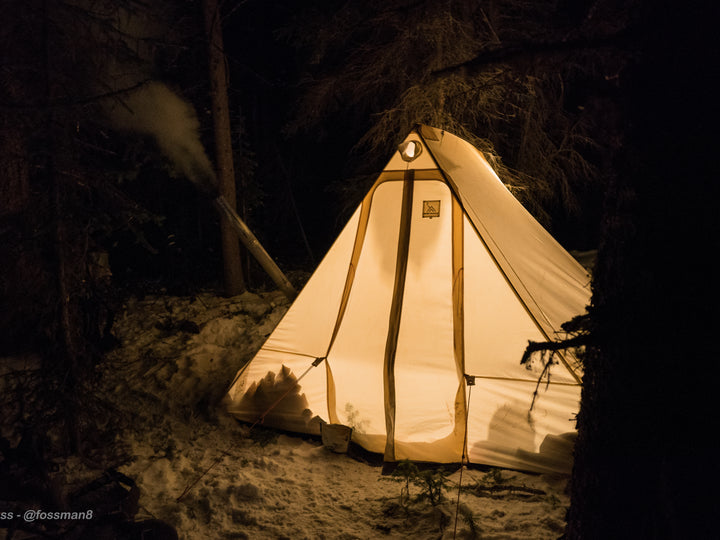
{"points": [[599, 116]]}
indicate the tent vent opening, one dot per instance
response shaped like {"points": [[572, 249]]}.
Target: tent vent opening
{"points": [[410, 150]]}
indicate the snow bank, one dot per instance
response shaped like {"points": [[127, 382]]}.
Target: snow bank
{"points": [[177, 359]]}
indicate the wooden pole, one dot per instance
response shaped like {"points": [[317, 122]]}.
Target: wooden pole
{"points": [[254, 247]]}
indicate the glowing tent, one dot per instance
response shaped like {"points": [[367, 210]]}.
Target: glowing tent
{"points": [[440, 274]]}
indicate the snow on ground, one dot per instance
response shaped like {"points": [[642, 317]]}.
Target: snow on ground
{"points": [[177, 359]]}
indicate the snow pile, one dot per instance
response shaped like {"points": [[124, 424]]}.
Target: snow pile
{"points": [[178, 358], [186, 351]]}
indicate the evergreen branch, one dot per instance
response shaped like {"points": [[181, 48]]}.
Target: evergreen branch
{"points": [[512, 489], [509, 52], [535, 346]]}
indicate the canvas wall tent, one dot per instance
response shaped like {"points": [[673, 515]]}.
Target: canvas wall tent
{"points": [[440, 273]]}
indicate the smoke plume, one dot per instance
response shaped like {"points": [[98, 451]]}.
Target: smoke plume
{"points": [[153, 109]]}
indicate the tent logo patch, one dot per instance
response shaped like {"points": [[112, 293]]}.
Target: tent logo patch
{"points": [[431, 209]]}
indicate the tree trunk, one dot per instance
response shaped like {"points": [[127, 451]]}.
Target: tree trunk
{"points": [[68, 328], [646, 458], [234, 281], [65, 363], [14, 171]]}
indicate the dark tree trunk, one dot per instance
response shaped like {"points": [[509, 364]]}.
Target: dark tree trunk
{"points": [[64, 363], [69, 331], [14, 173], [234, 280], [646, 456]]}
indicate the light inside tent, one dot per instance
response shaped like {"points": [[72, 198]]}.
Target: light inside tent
{"points": [[410, 150]]}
